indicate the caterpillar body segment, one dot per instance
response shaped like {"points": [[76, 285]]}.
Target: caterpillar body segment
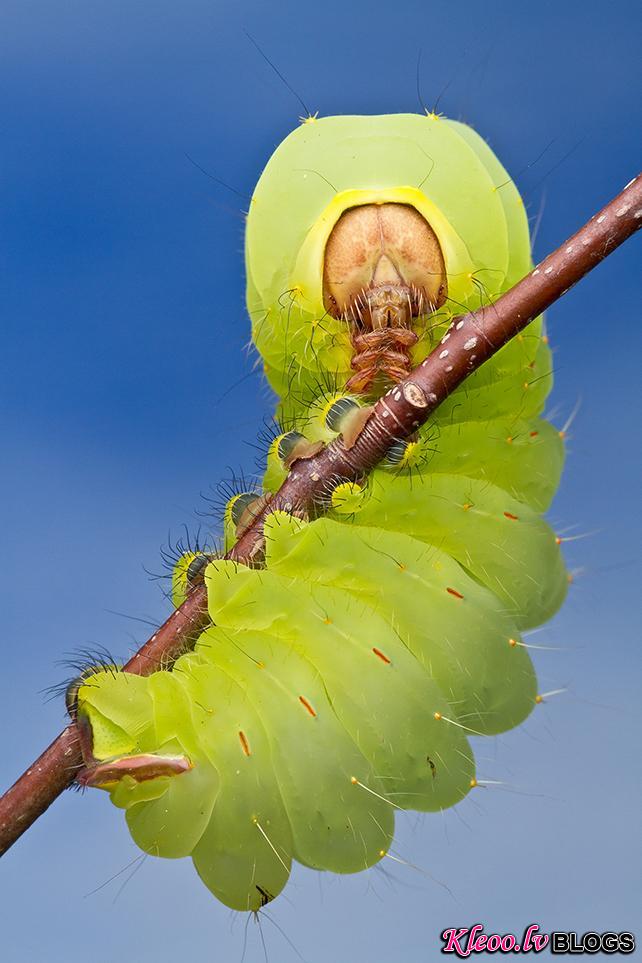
{"points": [[488, 683], [392, 716], [501, 542], [340, 682]]}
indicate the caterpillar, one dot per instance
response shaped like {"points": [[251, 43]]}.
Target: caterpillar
{"points": [[340, 680]]}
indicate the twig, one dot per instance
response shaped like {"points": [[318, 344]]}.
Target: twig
{"points": [[473, 338]]}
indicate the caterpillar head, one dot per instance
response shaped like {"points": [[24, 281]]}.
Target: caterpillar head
{"points": [[382, 266], [366, 233]]}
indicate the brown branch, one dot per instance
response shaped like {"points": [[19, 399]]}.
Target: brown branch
{"points": [[473, 339]]}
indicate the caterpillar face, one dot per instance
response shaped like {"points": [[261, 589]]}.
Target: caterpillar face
{"points": [[339, 682], [383, 266], [382, 269]]}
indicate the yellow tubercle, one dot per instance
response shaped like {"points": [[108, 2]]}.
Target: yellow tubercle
{"points": [[348, 498]]}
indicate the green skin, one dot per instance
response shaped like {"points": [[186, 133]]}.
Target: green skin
{"points": [[318, 703]]}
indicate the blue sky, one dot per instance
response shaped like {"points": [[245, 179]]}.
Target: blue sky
{"points": [[125, 392]]}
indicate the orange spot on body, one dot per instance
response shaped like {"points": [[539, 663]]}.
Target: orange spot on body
{"points": [[304, 702], [538, 699], [558, 540], [437, 716], [327, 621], [513, 518], [380, 655], [512, 642], [245, 746], [509, 440], [452, 591], [534, 434], [473, 783], [467, 505]]}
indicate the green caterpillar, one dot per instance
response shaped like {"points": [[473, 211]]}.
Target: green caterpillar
{"points": [[340, 681]]}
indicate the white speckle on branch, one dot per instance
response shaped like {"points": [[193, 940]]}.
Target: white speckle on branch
{"points": [[414, 395]]}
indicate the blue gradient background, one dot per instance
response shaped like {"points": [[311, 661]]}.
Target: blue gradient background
{"points": [[125, 391]]}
